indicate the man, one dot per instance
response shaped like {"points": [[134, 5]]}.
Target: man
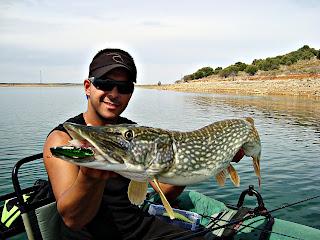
{"points": [[91, 199], [95, 201]]}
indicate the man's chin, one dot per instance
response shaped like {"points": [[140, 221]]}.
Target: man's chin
{"points": [[110, 115]]}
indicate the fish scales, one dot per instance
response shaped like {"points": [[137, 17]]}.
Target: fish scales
{"points": [[209, 149]]}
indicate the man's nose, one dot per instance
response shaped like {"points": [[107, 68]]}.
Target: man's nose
{"points": [[114, 92]]}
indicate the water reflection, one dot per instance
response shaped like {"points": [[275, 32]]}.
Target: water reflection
{"points": [[290, 111], [289, 130]]}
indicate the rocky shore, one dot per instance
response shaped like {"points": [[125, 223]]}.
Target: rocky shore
{"points": [[306, 85]]}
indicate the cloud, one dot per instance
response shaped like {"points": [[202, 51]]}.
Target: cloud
{"points": [[168, 37]]}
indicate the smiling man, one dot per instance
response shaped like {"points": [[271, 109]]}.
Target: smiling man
{"points": [[93, 203]]}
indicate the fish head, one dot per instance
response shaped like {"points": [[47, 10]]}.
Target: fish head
{"points": [[134, 147]]}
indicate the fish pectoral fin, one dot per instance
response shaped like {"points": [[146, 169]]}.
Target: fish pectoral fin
{"points": [[235, 179], [256, 166], [137, 192], [221, 178], [164, 200]]}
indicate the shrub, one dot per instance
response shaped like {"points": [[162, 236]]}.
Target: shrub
{"points": [[217, 70], [268, 64], [188, 77], [199, 74], [229, 71], [203, 72], [251, 69], [240, 66]]}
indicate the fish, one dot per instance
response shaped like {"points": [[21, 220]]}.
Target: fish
{"points": [[179, 158]]}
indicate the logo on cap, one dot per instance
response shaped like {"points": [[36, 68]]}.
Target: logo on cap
{"points": [[116, 57]]}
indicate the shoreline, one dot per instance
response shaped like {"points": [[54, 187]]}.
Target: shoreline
{"points": [[40, 84], [283, 85], [294, 85]]}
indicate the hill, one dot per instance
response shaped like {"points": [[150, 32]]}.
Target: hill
{"points": [[293, 74], [303, 60]]}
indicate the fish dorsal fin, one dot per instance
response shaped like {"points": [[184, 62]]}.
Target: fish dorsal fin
{"points": [[137, 192], [250, 120], [221, 178], [235, 179], [164, 200]]}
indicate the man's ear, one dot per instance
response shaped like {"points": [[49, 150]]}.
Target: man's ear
{"points": [[87, 84]]}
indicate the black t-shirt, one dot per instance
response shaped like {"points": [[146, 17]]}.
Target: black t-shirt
{"points": [[117, 218]]}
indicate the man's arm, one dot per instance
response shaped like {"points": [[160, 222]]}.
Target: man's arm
{"points": [[78, 191]]}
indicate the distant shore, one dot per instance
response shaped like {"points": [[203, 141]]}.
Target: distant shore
{"points": [[306, 85], [39, 84]]}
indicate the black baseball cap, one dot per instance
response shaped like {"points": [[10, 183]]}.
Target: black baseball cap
{"points": [[108, 59]]}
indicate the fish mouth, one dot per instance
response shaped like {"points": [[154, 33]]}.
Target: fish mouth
{"points": [[84, 138]]}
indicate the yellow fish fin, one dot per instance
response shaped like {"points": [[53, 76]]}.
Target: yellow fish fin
{"points": [[164, 200], [250, 120], [256, 166], [235, 179], [137, 192], [179, 217], [221, 178]]}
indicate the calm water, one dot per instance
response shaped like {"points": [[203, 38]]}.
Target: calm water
{"points": [[289, 130]]}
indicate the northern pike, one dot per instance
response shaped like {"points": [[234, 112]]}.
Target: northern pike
{"points": [[179, 158]]}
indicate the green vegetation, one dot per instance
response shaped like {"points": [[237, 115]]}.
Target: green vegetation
{"points": [[268, 64]]}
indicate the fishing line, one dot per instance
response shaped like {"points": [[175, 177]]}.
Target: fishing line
{"points": [[256, 215], [256, 228], [229, 223], [292, 204]]}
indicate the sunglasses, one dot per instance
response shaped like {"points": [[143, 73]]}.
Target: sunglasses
{"points": [[124, 87]]}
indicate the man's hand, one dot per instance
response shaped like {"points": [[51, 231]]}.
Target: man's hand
{"points": [[239, 155]]}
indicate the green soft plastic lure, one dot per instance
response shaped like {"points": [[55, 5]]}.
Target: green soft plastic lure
{"points": [[73, 152]]}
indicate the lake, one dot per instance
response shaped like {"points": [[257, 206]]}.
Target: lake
{"points": [[289, 129]]}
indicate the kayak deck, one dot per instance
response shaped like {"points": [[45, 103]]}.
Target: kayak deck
{"points": [[249, 229]]}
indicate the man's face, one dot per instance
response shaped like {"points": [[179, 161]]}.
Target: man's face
{"points": [[108, 104]]}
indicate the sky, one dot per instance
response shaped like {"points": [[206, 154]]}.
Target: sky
{"points": [[168, 39]]}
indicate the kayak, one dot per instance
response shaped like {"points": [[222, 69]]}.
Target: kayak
{"points": [[196, 212], [238, 222]]}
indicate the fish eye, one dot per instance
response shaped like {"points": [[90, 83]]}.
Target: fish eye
{"points": [[128, 135]]}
